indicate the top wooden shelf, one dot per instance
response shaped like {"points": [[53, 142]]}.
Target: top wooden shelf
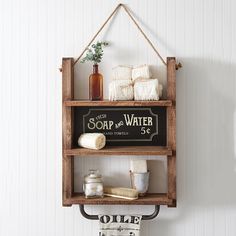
{"points": [[107, 103]]}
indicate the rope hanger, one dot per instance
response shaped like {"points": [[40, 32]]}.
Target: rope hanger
{"points": [[177, 66], [134, 21]]}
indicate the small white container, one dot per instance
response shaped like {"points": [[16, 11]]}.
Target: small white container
{"points": [[93, 185], [140, 182]]}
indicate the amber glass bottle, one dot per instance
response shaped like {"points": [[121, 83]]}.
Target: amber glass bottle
{"points": [[95, 85]]}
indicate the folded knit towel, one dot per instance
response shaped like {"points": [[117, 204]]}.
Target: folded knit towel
{"points": [[122, 73], [147, 90], [92, 140], [141, 72], [121, 90]]}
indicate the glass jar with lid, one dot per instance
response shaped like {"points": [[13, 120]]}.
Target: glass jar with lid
{"points": [[93, 186]]}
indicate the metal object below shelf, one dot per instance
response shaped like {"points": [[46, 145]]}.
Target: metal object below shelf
{"points": [[144, 217]]}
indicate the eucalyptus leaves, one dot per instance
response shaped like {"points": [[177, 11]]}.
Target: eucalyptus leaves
{"points": [[95, 53]]}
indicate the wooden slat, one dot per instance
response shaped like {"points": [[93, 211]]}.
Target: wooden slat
{"points": [[171, 130], [121, 150], [85, 103], [171, 163], [149, 199], [67, 128]]}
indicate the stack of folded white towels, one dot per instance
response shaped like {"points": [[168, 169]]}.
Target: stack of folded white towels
{"points": [[134, 83]]}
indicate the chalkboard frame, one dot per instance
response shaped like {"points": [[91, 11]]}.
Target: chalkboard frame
{"points": [[157, 138]]}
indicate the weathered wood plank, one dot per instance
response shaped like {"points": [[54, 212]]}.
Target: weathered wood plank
{"points": [[85, 103], [121, 150], [149, 199], [67, 128], [171, 127]]}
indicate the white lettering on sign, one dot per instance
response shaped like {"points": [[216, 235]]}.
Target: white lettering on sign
{"points": [[100, 125], [124, 124], [119, 124], [132, 120], [102, 116], [145, 130]]}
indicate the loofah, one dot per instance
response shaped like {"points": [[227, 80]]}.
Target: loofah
{"points": [[92, 140]]}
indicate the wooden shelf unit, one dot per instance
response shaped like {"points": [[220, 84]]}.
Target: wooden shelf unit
{"points": [[69, 152]]}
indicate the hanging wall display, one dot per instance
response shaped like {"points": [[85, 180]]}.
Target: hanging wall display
{"points": [[128, 126]]}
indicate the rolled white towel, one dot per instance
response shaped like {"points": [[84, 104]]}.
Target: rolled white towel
{"points": [[141, 72], [92, 140], [147, 90], [122, 73], [120, 90]]}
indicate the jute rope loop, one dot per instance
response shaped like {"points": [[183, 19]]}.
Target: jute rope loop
{"points": [[103, 25], [134, 21], [138, 27]]}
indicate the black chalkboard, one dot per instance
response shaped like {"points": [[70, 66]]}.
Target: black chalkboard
{"points": [[123, 125]]}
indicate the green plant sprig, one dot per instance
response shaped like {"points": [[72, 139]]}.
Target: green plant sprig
{"points": [[95, 53]]}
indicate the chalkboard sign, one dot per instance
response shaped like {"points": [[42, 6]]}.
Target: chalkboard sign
{"points": [[123, 125]]}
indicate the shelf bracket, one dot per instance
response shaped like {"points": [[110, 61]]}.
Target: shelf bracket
{"points": [[95, 217]]}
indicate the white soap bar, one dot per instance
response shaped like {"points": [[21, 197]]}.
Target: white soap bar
{"points": [[141, 72], [138, 166], [122, 73]]}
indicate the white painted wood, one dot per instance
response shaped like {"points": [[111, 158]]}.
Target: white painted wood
{"points": [[35, 35]]}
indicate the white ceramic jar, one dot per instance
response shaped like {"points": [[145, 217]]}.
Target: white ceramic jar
{"points": [[93, 186]]}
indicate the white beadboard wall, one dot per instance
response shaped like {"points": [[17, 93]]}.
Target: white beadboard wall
{"points": [[36, 34]]}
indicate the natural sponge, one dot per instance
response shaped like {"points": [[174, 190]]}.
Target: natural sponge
{"points": [[92, 140]]}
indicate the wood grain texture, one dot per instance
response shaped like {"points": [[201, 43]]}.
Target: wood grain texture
{"points": [[149, 199], [120, 150], [67, 128], [171, 127], [84, 103]]}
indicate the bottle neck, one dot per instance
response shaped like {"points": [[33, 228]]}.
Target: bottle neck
{"points": [[95, 68]]}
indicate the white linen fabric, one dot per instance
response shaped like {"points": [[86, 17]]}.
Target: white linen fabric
{"points": [[141, 72], [121, 90], [148, 89], [119, 225], [122, 73]]}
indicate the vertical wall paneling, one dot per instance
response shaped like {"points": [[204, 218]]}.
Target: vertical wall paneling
{"points": [[35, 35]]}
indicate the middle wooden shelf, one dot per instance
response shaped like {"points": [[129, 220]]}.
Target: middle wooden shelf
{"points": [[121, 150]]}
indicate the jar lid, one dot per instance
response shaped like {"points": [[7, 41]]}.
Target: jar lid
{"points": [[93, 177]]}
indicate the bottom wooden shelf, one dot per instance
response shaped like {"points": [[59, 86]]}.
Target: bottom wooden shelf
{"points": [[149, 199]]}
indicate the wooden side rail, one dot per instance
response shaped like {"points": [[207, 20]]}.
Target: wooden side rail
{"points": [[171, 128], [67, 129]]}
